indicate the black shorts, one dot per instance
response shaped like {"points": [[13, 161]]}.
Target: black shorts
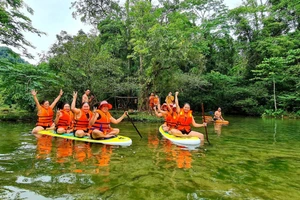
{"points": [[185, 132], [44, 127]]}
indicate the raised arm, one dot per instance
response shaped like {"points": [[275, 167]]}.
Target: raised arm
{"points": [[58, 115], [37, 103], [94, 117], [116, 121], [73, 108], [177, 103], [158, 114], [56, 99]]}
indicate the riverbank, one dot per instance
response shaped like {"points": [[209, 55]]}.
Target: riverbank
{"points": [[25, 116], [10, 114]]}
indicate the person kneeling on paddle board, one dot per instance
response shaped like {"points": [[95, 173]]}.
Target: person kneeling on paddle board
{"points": [[100, 122]]}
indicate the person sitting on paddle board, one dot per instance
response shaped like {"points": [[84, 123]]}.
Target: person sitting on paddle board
{"points": [[82, 117], [185, 119], [45, 112], [100, 122], [170, 115], [218, 115], [64, 119]]}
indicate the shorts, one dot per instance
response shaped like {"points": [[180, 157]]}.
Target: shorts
{"points": [[185, 132], [44, 127]]}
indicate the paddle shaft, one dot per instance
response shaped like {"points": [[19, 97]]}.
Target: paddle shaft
{"points": [[131, 121], [203, 116], [134, 125]]}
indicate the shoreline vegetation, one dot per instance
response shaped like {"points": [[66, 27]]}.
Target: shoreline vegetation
{"points": [[16, 115]]}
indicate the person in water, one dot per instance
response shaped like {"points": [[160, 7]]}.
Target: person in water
{"points": [[82, 117], [45, 112], [86, 98], [101, 121], [185, 120], [218, 115], [64, 119]]}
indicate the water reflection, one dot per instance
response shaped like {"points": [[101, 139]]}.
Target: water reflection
{"points": [[218, 128], [249, 154], [177, 154], [64, 150], [44, 147], [76, 156], [275, 131]]}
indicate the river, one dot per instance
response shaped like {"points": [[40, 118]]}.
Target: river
{"points": [[251, 158]]}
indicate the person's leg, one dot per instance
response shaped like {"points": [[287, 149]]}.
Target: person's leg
{"points": [[97, 134], [79, 133], [199, 135], [114, 131], [60, 130], [176, 132], [36, 129]]}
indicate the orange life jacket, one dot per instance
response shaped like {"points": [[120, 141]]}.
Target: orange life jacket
{"points": [[155, 100], [184, 120], [82, 123], [45, 117], [102, 124], [171, 119], [66, 120]]}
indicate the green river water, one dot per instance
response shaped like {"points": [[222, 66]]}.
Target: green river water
{"points": [[251, 158]]}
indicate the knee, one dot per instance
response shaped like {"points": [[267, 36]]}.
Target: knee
{"points": [[117, 131], [79, 134], [60, 130]]}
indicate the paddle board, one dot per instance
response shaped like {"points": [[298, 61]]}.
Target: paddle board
{"points": [[119, 140], [221, 121], [180, 140]]}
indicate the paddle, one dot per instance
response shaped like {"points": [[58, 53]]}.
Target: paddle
{"points": [[132, 122], [203, 116]]}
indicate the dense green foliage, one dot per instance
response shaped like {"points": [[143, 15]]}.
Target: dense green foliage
{"points": [[245, 60], [13, 23]]}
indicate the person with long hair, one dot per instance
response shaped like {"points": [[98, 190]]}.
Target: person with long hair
{"points": [[186, 119]]}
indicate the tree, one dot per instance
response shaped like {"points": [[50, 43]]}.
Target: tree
{"points": [[83, 62], [13, 22], [10, 55], [271, 69], [18, 79]]}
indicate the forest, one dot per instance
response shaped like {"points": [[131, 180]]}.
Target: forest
{"points": [[245, 60]]}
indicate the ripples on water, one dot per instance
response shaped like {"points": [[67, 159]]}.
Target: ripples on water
{"points": [[251, 158]]}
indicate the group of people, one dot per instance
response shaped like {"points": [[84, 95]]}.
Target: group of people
{"points": [[178, 120], [81, 121]]}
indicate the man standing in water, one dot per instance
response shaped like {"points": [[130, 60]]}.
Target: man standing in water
{"points": [[85, 97], [218, 115]]}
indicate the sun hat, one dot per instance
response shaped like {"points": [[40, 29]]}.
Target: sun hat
{"points": [[105, 103]]}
